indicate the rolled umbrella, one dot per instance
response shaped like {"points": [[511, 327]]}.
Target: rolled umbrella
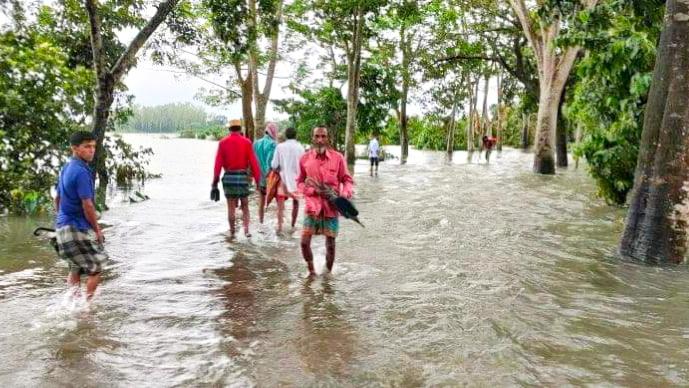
{"points": [[342, 204]]}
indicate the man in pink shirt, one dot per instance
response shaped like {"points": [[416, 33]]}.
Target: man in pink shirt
{"points": [[321, 165], [235, 155]]}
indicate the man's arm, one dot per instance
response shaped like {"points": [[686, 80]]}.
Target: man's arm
{"points": [[92, 218], [218, 166], [57, 203], [345, 180]]}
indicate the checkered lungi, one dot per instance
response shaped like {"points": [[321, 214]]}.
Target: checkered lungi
{"points": [[235, 184], [315, 225], [81, 250]]}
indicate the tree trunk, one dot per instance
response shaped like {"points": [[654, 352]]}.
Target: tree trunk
{"points": [[353, 73], [406, 79], [472, 116], [247, 113], [450, 146], [404, 131], [544, 159], [525, 130], [554, 67], [561, 132], [561, 143], [656, 228], [485, 127], [107, 77], [262, 97], [499, 113]]}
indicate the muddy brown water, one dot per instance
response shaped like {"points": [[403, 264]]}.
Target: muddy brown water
{"points": [[466, 274]]}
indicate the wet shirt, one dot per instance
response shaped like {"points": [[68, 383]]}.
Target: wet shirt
{"points": [[329, 168], [373, 148], [74, 184], [264, 149], [287, 156], [235, 154]]}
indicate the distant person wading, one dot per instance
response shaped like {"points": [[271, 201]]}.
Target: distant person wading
{"points": [[264, 149], [235, 155], [374, 153], [286, 162]]}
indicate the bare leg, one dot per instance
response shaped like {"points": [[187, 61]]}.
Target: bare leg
{"points": [[91, 283], [281, 212], [307, 253], [231, 206], [329, 252], [295, 212], [245, 215], [261, 206], [74, 281]]}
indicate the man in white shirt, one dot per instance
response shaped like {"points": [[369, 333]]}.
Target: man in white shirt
{"points": [[373, 150], [286, 161]]}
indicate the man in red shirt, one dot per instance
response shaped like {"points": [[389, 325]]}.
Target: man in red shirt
{"points": [[325, 167], [235, 155]]}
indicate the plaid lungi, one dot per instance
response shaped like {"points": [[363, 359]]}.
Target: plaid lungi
{"points": [[235, 184], [81, 250], [320, 225]]}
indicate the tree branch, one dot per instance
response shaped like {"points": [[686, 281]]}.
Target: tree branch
{"points": [[96, 38], [126, 60]]}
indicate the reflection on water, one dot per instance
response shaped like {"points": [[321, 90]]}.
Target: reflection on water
{"points": [[467, 273], [325, 341]]}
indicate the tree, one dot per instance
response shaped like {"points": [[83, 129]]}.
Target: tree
{"points": [[238, 27], [657, 224], [554, 65], [40, 104], [342, 25], [611, 91], [108, 75]]}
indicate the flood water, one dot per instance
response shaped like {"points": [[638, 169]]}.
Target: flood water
{"points": [[465, 274]]}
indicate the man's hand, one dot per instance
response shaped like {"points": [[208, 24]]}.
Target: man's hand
{"points": [[215, 193], [99, 236]]}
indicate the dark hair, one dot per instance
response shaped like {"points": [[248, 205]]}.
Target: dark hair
{"points": [[291, 133], [235, 128], [80, 137]]}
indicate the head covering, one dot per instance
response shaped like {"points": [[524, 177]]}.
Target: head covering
{"points": [[272, 130], [234, 123]]}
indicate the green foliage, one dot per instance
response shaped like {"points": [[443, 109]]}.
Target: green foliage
{"points": [[126, 165], [46, 84], [40, 95], [610, 97], [430, 132], [324, 106]]}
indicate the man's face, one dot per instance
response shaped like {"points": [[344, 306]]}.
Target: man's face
{"points": [[320, 139], [85, 150]]}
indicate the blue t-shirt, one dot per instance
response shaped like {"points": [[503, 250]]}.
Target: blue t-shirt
{"points": [[74, 184]]}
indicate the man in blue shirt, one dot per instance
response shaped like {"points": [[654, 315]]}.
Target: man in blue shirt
{"points": [[79, 238]]}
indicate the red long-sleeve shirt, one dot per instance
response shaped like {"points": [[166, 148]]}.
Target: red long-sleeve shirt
{"points": [[235, 153]]}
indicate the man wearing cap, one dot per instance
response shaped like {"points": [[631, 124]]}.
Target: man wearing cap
{"points": [[324, 167], [264, 149], [235, 155]]}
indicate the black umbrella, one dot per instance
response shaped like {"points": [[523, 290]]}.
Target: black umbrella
{"points": [[50, 233], [342, 204]]}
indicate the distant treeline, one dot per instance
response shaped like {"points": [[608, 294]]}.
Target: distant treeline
{"points": [[174, 117]]}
